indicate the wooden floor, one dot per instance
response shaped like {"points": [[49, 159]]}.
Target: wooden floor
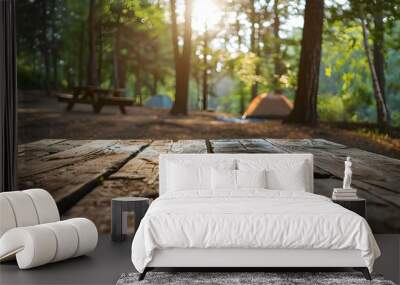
{"points": [[83, 175]]}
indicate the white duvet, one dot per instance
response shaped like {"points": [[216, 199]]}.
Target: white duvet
{"points": [[250, 219]]}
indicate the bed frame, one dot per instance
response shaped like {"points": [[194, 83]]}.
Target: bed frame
{"points": [[242, 259], [246, 259]]}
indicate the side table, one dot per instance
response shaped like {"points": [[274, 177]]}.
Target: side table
{"points": [[119, 207], [357, 205]]}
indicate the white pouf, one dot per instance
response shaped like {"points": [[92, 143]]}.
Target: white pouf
{"points": [[31, 230]]}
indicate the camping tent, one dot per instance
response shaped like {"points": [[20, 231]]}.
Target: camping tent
{"points": [[159, 101], [269, 106]]}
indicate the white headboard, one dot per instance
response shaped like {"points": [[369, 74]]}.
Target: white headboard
{"points": [[211, 157]]}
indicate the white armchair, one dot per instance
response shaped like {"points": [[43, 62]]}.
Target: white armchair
{"points": [[31, 230]]}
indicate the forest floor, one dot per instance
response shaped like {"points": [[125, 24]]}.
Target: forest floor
{"points": [[42, 117]]}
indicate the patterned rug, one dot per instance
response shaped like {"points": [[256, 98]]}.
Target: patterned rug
{"points": [[268, 278]]}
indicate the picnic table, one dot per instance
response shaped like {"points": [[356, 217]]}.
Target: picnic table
{"points": [[97, 97], [84, 175]]}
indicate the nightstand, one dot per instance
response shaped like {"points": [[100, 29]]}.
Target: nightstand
{"points": [[119, 209], [358, 206]]}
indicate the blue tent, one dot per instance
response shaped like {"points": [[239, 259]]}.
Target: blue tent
{"points": [[159, 101]]}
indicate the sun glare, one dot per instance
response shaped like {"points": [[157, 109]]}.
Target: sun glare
{"points": [[205, 15]]}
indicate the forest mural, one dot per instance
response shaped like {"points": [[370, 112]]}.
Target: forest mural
{"points": [[149, 47], [105, 86]]}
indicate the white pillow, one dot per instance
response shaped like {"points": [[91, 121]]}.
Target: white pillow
{"points": [[186, 175], [223, 179], [281, 174], [293, 180], [226, 179], [251, 179], [183, 177]]}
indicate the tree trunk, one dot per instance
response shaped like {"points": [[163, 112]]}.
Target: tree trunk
{"points": [[138, 87], [239, 36], [205, 71], [182, 61], [197, 79], [92, 79], [55, 69], [242, 98], [379, 59], [254, 86], [174, 29], [305, 104], [54, 47], [45, 48], [242, 94], [258, 53], [100, 55], [121, 71], [383, 116], [186, 54], [116, 78], [155, 72], [47, 70], [80, 55], [278, 65]]}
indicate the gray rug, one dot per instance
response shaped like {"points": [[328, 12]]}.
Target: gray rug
{"points": [[269, 278]]}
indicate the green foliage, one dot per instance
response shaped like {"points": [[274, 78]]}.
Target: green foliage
{"points": [[331, 108], [57, 41], [345, 73], [244, 68]]}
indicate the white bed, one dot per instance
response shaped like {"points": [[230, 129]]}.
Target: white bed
{"points": [[197, 222]]}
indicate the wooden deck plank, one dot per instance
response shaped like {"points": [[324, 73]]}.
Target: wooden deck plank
{"points": [[138, 177], [243, 146], [37, 148], [40, 144], [139, 167], [259, 146], [71, 181], [107, 169], [383, 217], [227, 146], [368, 168], [65, 158], [255, 146], [135, 178], [376, 174], [29, 152], [189, 146]]}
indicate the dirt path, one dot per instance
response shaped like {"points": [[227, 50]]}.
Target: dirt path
{"points": [[43, 117]]}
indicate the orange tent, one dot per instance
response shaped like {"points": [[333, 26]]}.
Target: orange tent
{"points": [[269, 106]]}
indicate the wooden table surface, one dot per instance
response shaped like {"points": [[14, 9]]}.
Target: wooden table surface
{"points": [[83, 175]]}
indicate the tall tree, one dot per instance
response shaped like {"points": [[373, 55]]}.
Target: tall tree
{"points": [[182, 59], [379, 42], [54, 43], [373, 16], [118, 76], [253, 43], [100, 50], [81, 53], [92, 31], [205, 70], [238, 28], [305, 104], [45, 44], [383, 115], [277, 54]]}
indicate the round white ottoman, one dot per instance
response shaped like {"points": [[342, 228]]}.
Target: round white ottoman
{"points": [[37, 245], [31, 231]]}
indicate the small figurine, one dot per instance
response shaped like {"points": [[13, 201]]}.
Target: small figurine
{"points": [[347, 173]]}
